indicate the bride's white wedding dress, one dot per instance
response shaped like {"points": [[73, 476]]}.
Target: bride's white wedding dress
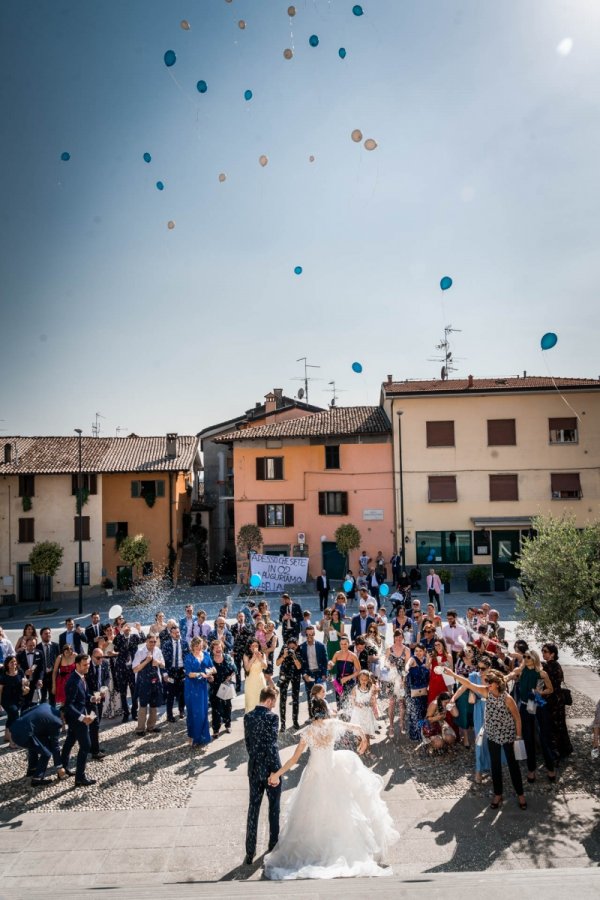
{"points": [[337, 824]]}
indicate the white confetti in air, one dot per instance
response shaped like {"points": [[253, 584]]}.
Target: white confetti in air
{"points": [[565, 47]]}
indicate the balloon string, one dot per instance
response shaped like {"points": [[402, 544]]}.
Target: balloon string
{"points": [[185, 94], [551, 376]]}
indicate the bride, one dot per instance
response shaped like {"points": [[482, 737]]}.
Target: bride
{"points": [[337, 825]]}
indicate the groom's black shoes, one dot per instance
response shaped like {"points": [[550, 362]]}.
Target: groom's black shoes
{"points": [[248, 859], [272, 847]]}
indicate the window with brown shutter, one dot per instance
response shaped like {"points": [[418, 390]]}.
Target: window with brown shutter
{"points": [[333, 503], [85, 528], [269, 468], [274, 515], [504, 487], [565, 486], [501, 432], [442, 489], [563, 431], [26, 531], [440, 434], [89, 483], [26, 485]]}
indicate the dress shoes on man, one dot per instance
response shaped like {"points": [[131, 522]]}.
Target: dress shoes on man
{"points": [[98, 756], [30, 773], [85, 782], [248, 859], [271, 847], [40, 782], [125, 718], [156, 730], [297, 725], [182, 715], [170, 718]]}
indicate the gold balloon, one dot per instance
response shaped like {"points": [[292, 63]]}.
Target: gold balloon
{"points": [[222, 177], [370, 144], [241, 24], [291, 11], [263, 160], [356, 135], [185, 25], [171, 225], [287, 54]]}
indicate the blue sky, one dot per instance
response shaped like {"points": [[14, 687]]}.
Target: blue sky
{"points": [[485, 170]]}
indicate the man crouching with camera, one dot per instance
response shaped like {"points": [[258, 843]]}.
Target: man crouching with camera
{"points": [[290, 667]]}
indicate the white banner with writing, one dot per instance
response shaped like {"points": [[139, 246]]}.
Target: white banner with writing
{"points": [[277, 572]]}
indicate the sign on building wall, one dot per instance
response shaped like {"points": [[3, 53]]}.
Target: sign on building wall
{"points": [[373, 515], [279, 571]]}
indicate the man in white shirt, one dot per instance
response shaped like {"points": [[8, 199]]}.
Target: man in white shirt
{"points": [[455, 635], [147, 664]]}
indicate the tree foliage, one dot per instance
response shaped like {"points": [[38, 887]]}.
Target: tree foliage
{"points": [[560, 581], [134, 550], [249, 538], [347, 538], [45, 558]]}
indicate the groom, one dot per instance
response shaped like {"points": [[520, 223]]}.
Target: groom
{"points": [[261, 726]]}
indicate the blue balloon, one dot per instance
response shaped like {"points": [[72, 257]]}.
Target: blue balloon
{"points": [[170, 58], [357, 10], [383, 590], [248, 95], [65, 156], [347, 586], [356, 367], [549, 341], [202, 87], [298, 270], [313, 40], [446, 283], [255, 580], [147, 157], [342, 53], [160, 186]]}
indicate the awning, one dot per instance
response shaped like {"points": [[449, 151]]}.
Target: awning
{"points": [[502, 521]]}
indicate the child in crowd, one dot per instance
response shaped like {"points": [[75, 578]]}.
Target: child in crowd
{"points": [[305, 623]]}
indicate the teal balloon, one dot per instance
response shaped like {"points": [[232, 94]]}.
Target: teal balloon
{"points": [[147, 157], [356, 367], [247, 95], [347, 586], [298, 270], [342, 53], [549, 341], [357, 10], [65, 156], [160, 186], [202, 87], [255, 580], [313, 40], [446, 283], [170, 58], [383, 590]]}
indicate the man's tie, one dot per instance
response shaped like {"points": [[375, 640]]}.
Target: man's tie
{"points": [[96, 629], [176, 654]]}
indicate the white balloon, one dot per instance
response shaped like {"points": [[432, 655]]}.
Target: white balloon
{"points": [[115, 611]]}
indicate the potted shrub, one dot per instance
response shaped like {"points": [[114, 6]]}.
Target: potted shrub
{"points": [[478, 580], [108, 586], [445, 576]]}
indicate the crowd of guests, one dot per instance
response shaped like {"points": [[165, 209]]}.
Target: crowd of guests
{"points": [[445, 683]]}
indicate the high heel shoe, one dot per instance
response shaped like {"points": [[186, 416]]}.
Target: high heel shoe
{"points": [[552, 778], [523, 804], [495, 804], [531, 780]]}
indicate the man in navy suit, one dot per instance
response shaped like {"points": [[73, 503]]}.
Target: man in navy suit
{"points": [[261, 726], [126, 644], [313, 656], [37, 730], [174, 650], [72, 636], [98, 682], [323, 587], [94, 632], [31, 662], [78, 704], [49, 650], [360, 623]]}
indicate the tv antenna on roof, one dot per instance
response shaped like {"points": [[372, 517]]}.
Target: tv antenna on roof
{"points": [[96, 425], [121, 428], [335, 392], [446, 357], [306, 377]]}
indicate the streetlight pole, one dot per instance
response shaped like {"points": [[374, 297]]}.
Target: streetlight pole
{"points": [[79, 511], [402, 545]]}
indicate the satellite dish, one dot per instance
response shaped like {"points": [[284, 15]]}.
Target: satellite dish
{"points": [[444, 373], [300, 393]]}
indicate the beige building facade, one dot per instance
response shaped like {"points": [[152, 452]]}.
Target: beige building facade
{"points": [[476, 459]]}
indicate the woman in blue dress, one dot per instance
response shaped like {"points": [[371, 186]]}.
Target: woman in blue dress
{"points": [[417, 681], [198, 672]]}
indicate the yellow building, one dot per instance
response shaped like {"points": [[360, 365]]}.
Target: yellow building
{"points": [[131, 485], [476, 459]]}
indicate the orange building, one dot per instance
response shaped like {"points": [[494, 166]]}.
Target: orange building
{"points": [[298, 480]]}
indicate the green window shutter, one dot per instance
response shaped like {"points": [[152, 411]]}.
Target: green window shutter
{"points": [[111, 529], [135, 489], [160, 489]]}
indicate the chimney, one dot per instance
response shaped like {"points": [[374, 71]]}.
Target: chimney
{"points": [[7, 453], [389, 379], [470, 381], [524, 374], [171, 446], [270, 402]]}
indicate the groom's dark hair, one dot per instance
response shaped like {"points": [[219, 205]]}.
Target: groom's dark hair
{"points": [[268, 693]]}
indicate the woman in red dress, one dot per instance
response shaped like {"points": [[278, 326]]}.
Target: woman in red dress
{"points": [[63, 666], [436, 661]]}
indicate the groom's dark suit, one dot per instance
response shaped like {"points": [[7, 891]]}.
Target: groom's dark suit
{"points": [[260, 732]]}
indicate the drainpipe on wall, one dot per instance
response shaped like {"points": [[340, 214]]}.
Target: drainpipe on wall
{"points": [[171, 547]]}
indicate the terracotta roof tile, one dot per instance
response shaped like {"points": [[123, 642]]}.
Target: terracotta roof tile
{"points": [[60, 455], [458, 385], [339, 420]]}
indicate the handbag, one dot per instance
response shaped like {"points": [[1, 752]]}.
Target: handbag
{"points": [[520, 750], [226, 691], [567, 696], [337, 685]]}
